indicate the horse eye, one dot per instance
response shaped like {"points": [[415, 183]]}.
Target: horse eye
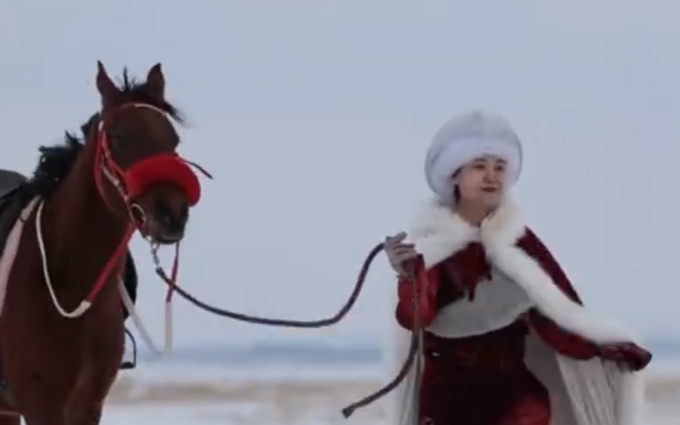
{"points": [[117, 140]]}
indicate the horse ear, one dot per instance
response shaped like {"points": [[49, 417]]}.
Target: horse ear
{"points": [[107, 89], [155, 81]]}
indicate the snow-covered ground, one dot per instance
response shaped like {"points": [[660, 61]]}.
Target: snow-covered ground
{"points": [[171, 392], [180, 394]]}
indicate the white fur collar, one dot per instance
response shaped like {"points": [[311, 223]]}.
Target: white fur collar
{"points": [[438, 232]]}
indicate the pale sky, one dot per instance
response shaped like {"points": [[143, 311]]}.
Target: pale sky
{"points": [[314, 117]]}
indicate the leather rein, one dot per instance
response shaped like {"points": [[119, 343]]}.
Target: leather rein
{"points": [[414, 348]]}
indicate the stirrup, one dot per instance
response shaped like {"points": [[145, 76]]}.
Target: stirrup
{"points": [[130, 364]]}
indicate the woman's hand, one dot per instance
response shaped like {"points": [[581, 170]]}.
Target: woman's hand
{"points": [[627, 355], [400, 254]]}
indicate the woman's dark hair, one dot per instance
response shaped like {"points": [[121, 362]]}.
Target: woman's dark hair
{"points": [[456, 189]]}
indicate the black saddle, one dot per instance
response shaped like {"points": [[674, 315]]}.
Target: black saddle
{"points": [[11, 202], [10, 182]]}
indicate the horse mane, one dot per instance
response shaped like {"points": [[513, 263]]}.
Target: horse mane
{"points": [[54, 164], [56, 161]]}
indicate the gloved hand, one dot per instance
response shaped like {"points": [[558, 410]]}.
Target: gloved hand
{"points": [[401, 255], [627, 355]]}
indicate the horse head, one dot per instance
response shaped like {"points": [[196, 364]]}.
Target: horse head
{"points": [[138, 172]]}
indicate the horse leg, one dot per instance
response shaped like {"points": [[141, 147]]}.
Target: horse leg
{"points": [[40, 389], [68, 395], [86, 404], [40, 374], [86, 412], [98, 372], [44, 411]]}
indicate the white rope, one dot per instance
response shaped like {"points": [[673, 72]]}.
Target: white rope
{"points": [[84, 304], [143, 332]]}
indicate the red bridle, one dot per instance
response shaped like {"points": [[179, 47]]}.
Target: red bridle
{"points": [[130, 183]]}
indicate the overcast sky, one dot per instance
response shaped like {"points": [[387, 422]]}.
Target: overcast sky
{"points": [[314, 117]]}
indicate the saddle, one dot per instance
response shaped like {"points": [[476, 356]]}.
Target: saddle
{"points": [[11, 203]]}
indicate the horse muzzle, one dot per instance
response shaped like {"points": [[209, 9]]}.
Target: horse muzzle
{"points": [[161, 189]]}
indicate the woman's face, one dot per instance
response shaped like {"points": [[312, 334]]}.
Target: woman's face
{"points": [[481, 181]]}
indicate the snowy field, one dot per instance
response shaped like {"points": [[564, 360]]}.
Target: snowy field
{"points": [[300, 391], [165, 393], [174, 394]]}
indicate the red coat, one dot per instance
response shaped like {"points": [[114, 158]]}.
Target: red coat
{"points": [[486, 375]]}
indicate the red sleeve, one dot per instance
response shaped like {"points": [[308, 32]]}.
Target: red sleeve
{"points": [[568, 344], [426, 287], [560, 340], [565, 343]]}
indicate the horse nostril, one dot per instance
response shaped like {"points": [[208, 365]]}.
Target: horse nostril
{"points": [[163, 212], [173, 222], [184, 213]]}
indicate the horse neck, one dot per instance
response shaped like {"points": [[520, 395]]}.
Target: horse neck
{"points": [[80, 232]]}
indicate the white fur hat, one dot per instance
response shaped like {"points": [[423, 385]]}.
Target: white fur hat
{"points": [[465, 138]]}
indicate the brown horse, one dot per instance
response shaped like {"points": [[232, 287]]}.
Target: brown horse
{"points": [[61, 328]]}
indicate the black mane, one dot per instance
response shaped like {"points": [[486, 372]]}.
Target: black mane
{"points": [[56, 161]]}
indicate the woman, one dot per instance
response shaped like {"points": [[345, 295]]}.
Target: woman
{"points": [[506, 340]]}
